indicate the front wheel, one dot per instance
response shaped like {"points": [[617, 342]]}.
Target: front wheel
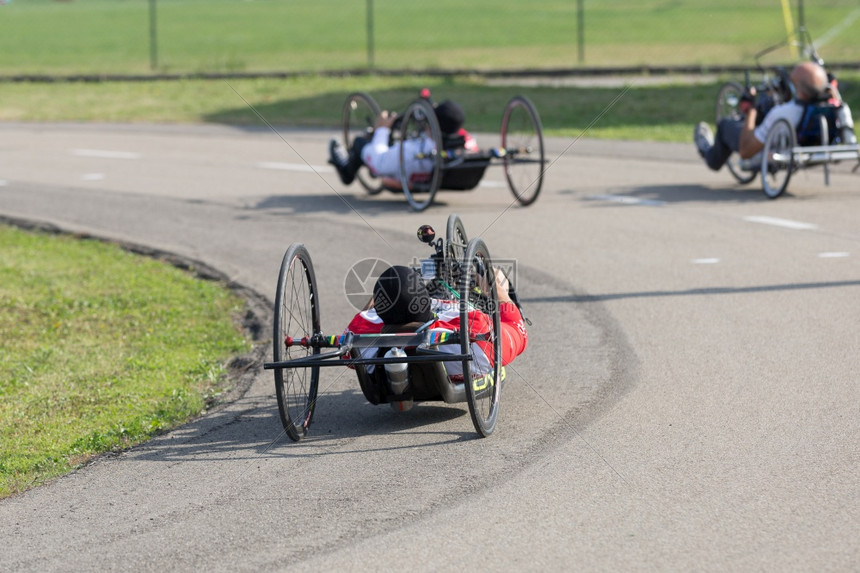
{"points": [[777, 160], [523, 151], [297, 315], [360, 112], [456, 242], [728, 102], [480, 336], [420, 154]]}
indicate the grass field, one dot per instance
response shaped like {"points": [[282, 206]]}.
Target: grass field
{"points": [[660, 113], [100, 349], [113, 36]]}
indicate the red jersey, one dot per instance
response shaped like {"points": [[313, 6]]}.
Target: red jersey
{"points": [[513, 334]]}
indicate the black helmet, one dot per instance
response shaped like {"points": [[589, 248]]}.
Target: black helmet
{"points": [[451, 116], [400, 296]]}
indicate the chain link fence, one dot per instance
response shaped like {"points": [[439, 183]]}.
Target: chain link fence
{"points": [[182, 37]]}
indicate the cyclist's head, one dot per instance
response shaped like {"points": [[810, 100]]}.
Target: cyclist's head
{"points": [[450, 115], [400, 296], [810, 81]]}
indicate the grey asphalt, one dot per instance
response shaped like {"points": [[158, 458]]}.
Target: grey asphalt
{"points": [[689, 398]]}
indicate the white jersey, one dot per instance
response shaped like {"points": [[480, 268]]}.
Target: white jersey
{"points": [[792, 111], [384, 161]]}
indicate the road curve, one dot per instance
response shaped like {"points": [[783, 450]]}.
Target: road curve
{"points": [[689, 398]]}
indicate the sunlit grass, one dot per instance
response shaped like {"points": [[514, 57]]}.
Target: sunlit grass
{"points": [[654, 112], [100, 349]]}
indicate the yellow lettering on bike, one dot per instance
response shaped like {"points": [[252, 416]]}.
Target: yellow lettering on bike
{"points": [[486, 380]]}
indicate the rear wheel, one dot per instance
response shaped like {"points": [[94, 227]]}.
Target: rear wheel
{"points": [[480, 328], [728, 102], [420, 154], [777, 161], [522, 142], [297, 315], [359, 118]]}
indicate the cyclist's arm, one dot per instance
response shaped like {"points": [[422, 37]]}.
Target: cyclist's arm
{"points": [[381, 159], [515, 338]]}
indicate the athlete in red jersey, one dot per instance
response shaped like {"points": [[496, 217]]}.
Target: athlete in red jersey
{"points": [[401, 298]]}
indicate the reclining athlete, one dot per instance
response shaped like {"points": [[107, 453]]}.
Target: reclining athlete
{"points": [[383, 158], [746, 136], [401, 299]]}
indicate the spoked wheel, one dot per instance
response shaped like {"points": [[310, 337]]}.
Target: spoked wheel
{"points": [[297, 315], [480, 331], [777, 161], [420, 154], [523, 152], [728, 100], [824, 131], [456, 242], [359, 117]]}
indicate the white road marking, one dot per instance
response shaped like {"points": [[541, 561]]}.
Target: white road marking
{"points": [[706, 261], [833, 255], [93, 176], [3, 183], [106, 154], [494, 184], [785, 223], [303, 167], [627, 200]]}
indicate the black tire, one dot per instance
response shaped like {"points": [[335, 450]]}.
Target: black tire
{"points": [[360, 112], [777, 160], [483, 382], [824, 131], [522, 142], [420, 136], [728, 100], [297, 315], [456, 242]]}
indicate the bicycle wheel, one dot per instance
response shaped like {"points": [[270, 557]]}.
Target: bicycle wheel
{"points": [[419, 154], [297, 314], [777, 160], [359, 117], [480, 329], [522, 142], [728, 100], [456, 242], [824, 131]]}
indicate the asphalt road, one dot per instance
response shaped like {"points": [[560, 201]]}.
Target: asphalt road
{"points": [[689, 399]]}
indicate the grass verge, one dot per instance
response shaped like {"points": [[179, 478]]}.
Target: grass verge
{"points": [[665, 112], [99, 350]]}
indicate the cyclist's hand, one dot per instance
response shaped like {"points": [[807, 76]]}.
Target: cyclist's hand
{"points": [[386, 119], [502, 286], [747, 101]]}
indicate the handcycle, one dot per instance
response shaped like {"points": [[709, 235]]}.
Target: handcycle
{"points": [[440, 365], [823, 136], [520, 152]]}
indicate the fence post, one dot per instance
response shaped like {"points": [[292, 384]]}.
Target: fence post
{"points": [[580, 30], [153, 37], [370, 34]]}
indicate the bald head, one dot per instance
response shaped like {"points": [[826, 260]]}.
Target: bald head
{"points": [[809, 79]]}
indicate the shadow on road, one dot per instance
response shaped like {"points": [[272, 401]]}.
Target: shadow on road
{"points": [[342, 203], [656, 195], [689, 292], [251, 428]]}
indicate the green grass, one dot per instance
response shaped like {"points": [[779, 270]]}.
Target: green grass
{"points": [[658, 113], [99, 349], [113, 36]]}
